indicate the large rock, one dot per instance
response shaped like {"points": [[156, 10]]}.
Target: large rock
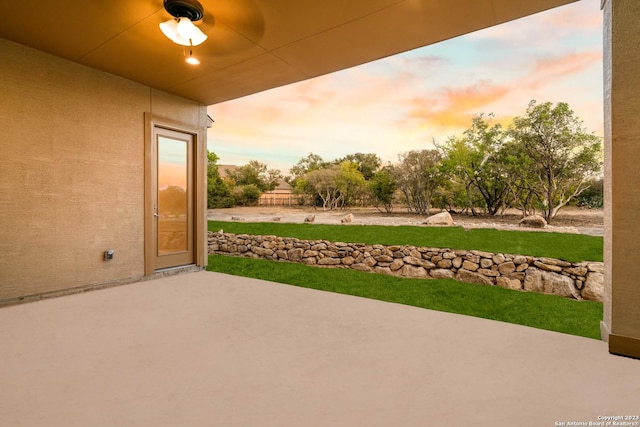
{"points": [[310, 218], [471, 277], [442, 218], [361, 267], [413, 271], [593, 289], [442, 273], [533, 221], [550, 283], [348, 219], [508, 283], [295, 254], [507, 268]]}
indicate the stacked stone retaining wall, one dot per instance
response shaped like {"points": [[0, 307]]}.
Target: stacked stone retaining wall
{"points": [[581, 280]]}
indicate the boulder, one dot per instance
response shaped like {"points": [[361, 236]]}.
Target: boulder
{"points": [[508, 283], [310, 218], [442, 218], [593, 289], [507, 268], [295, 254], [442, 273], [413, 272], [533, 221], [361, 267], [348, 219], [550, 283], [396, 265], [597, 267], [471, 277]]}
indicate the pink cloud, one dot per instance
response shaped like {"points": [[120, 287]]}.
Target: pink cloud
{"points": [[455, 107], [560, 67]]}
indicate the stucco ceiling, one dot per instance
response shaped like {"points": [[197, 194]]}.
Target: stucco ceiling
{"points": [[253, 45]]}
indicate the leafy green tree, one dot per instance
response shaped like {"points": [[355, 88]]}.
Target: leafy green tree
{"points": [[367, 164], [565, 157], [519, 171], [592, 197], [474, 159], [257, 174], [298, 178], [323, 184], [383, 186], [350, 182], [305, 165], [247, 195], [218, 192], [418, 175]]}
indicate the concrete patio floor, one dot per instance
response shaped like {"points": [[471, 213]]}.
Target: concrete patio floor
{"points": [[207, 349]]}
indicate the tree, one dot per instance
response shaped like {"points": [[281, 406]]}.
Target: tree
{"points": [[256, 173], [323, 184], [565, 157], [305, 165], [383, 186], [218, 192], [367, 164], [298, 179], [247, 195], [475, 160], [418, 175], [350, 182]]}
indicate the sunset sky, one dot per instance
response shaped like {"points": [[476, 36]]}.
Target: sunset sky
{"points": [[406, 101]]}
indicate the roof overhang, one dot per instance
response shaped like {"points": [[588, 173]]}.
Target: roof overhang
{"points": [[253, 45]]}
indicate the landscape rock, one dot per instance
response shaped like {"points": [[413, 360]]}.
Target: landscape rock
{"points": [[310, 218], [533, 221], [348, 219], [593, 288], [442, 273], [505, 282], [442, 218], [550, 283], [538, 274], [413, 272], [471, 277], [506, 268], [596, 267]]}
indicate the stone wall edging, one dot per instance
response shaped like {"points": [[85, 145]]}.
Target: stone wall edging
{"points": [[577, 280]]}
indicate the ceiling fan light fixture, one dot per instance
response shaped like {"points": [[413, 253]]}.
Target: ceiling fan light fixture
{"points": [[169, 28], [181, 30], [192, 60]]}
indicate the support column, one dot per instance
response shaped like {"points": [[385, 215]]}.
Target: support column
{"points": [[621, 323]]}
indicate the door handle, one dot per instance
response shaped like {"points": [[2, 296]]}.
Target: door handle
{"points": [[156, 215]]}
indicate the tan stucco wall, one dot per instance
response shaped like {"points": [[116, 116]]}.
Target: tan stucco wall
{"points": [[72, 171], [622, 171]]}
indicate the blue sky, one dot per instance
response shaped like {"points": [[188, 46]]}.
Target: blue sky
{"points": [[407, 101]]}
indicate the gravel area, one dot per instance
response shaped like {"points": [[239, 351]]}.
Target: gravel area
{"points": [[569, 220]]}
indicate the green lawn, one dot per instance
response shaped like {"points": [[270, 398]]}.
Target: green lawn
{"points": [[548, 312], [569, 247]]}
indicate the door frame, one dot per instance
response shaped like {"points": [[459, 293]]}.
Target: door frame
{"points": [[153, 122]]}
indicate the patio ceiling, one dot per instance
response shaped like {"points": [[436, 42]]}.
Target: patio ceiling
{"points": [[253, 45]]}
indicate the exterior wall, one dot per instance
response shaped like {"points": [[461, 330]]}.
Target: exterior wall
{"points": [[72, 171], [622, 149]]}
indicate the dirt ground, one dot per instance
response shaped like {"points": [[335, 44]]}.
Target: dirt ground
{"points": [[569, 219]]}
